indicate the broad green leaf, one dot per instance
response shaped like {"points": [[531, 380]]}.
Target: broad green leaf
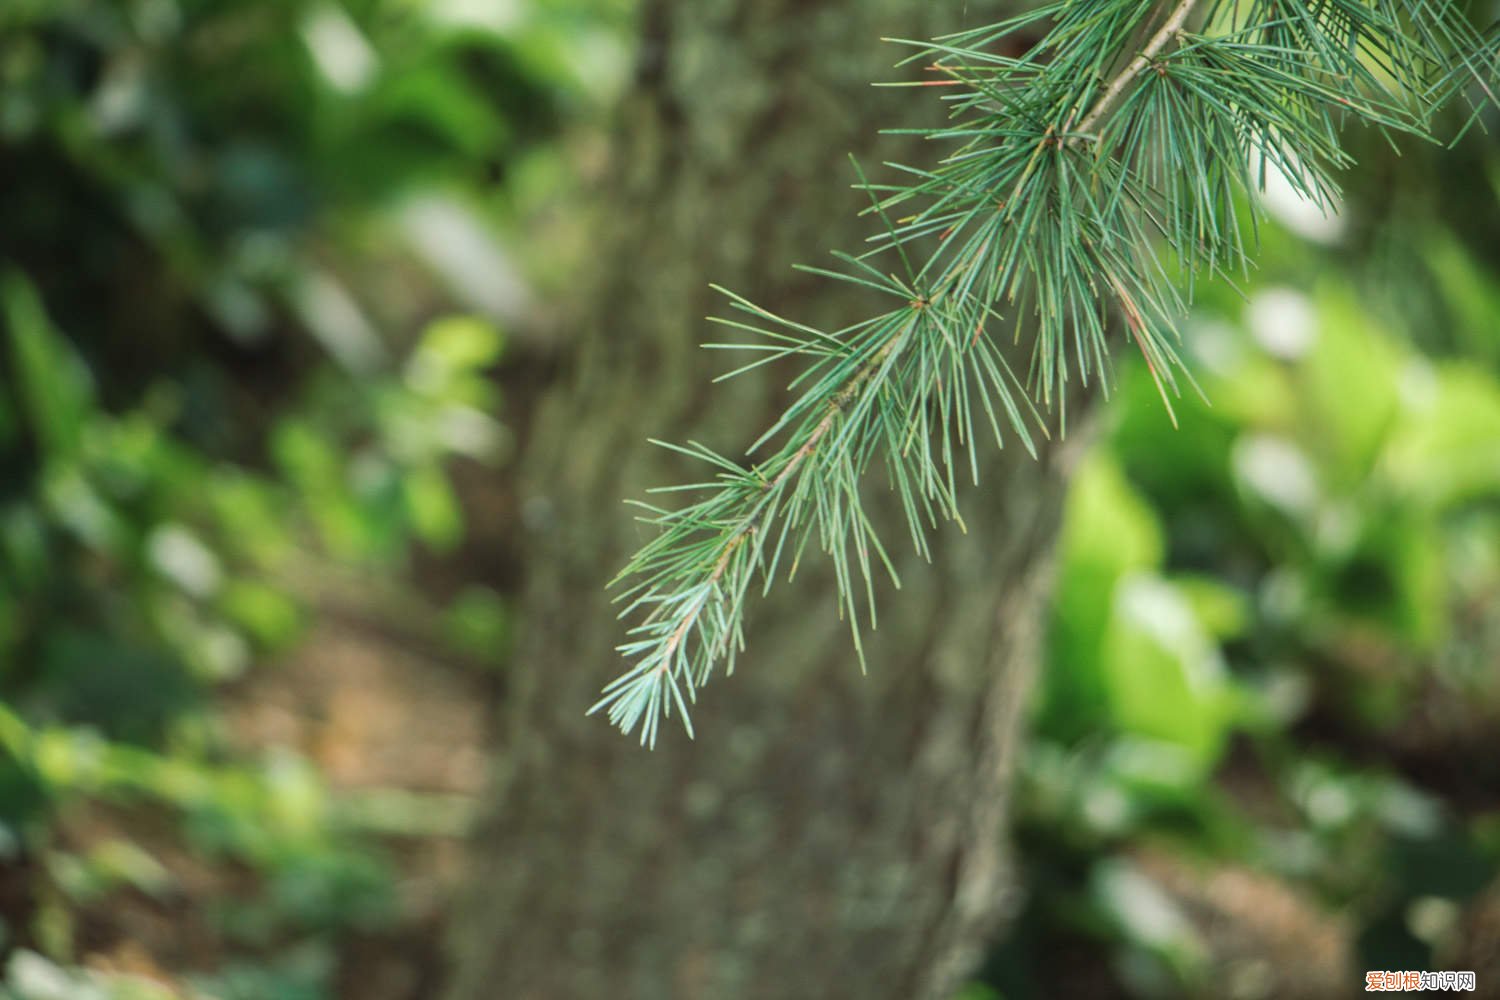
{"points": [[1164, 674], [1349, 382], [1108, 532]]}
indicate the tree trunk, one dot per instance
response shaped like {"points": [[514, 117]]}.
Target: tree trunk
{"points": [[829, 834]]}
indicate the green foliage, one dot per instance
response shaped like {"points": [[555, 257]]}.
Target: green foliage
{"points": [[369, 455], [185, 544], [1087, 182], [1322, 539], [1129, 641], [208, 396], [140, 574]]}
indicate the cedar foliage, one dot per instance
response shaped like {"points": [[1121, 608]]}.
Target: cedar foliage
{"points": [[1083, 187]]}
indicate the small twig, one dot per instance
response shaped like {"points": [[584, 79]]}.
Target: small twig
{"points": [[1117, 87]]}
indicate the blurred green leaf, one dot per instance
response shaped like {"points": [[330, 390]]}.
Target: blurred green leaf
{"points": [[1164, 674], [451, 347], [1223, 611], [433, 507], [1108, 531], [1446, 453], [51, 380], [1349, 383], [273, 618]]}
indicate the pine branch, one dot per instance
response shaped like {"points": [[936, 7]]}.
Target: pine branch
{"points": [[1069, 193]]}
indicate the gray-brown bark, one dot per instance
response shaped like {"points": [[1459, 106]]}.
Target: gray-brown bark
{"points": [[829, 834]]}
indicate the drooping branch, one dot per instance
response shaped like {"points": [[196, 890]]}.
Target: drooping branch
{"points": [[1016, 217]]}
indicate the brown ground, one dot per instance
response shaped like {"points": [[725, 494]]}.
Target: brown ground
{"points": [[375, 715]]}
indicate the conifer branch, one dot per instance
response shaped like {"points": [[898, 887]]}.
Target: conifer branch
{"points": [[1021, 215]]}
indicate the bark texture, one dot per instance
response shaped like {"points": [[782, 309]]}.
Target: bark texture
{"points": [[829, 834]]}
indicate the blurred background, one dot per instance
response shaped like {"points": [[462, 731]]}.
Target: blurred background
{"points": [[278, 284]]}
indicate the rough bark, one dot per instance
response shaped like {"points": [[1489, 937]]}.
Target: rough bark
{"points": [[829, 834]]}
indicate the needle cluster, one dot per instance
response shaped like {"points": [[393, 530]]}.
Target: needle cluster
{"points": [[1084, 185]]}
